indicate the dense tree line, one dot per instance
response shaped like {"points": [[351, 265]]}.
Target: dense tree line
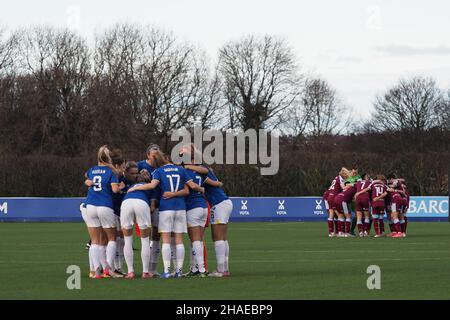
{"points": [[61, 99]]}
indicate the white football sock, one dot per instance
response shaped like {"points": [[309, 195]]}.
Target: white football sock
{"points": [[119, 259], [155, 250], [95, 253], [91, 261], [192, 265], [103, 260], [111, 254], [173, 250], [145, 254], [128, 253], [227, 254], [166, 256], [197, 248], [219, 247], [180, 257]]}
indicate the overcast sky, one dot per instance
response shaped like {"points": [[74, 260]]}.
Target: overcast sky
{"points": [[362, 47]]}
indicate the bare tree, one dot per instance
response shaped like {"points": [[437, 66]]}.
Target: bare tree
{"points": [[162, 81], [211, 112], [320, 112], [7, 50], [59, 62], [261, 80], [444, 112], [409, 106]]}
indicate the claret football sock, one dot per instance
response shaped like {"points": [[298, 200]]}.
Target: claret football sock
{"points": [[348, 223], [330, 225], [376, 225], [391, 226], [336, 225], [341, 223], [367, 225], [381, 222], [360, 226], [403, 226]]}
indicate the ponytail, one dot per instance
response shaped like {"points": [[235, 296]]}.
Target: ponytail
{"points": [[104, 155]]}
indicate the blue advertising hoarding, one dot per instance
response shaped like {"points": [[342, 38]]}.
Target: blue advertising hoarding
{"points": [[244, 209]]}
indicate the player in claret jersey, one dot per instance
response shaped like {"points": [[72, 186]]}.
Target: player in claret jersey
{"points": [[342, 206], [362, 204], [397, 195], [336, 187], [403, 217], [378, 193]]}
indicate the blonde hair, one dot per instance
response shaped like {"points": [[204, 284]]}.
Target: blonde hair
{"points": [[344, 173], [104, 155]]}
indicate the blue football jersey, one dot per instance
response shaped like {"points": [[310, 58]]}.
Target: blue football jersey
{"points": [[195, 199], [138, 194], [155, 193], [118, 197], [143, 164], [101, 194], [171, 178], [215, 195]]}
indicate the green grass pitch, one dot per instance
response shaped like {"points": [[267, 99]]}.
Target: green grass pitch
{"points": [[267, 261]]}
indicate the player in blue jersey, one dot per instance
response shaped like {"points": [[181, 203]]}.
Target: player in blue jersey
{"points": [[136, 207], [120, 167], [172, 208], [146, 168], [221, 208], [197, 214], [103, 183]]}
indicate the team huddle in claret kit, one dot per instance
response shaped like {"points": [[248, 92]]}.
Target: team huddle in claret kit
{"points": [[161, 200], [371, 199]]}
